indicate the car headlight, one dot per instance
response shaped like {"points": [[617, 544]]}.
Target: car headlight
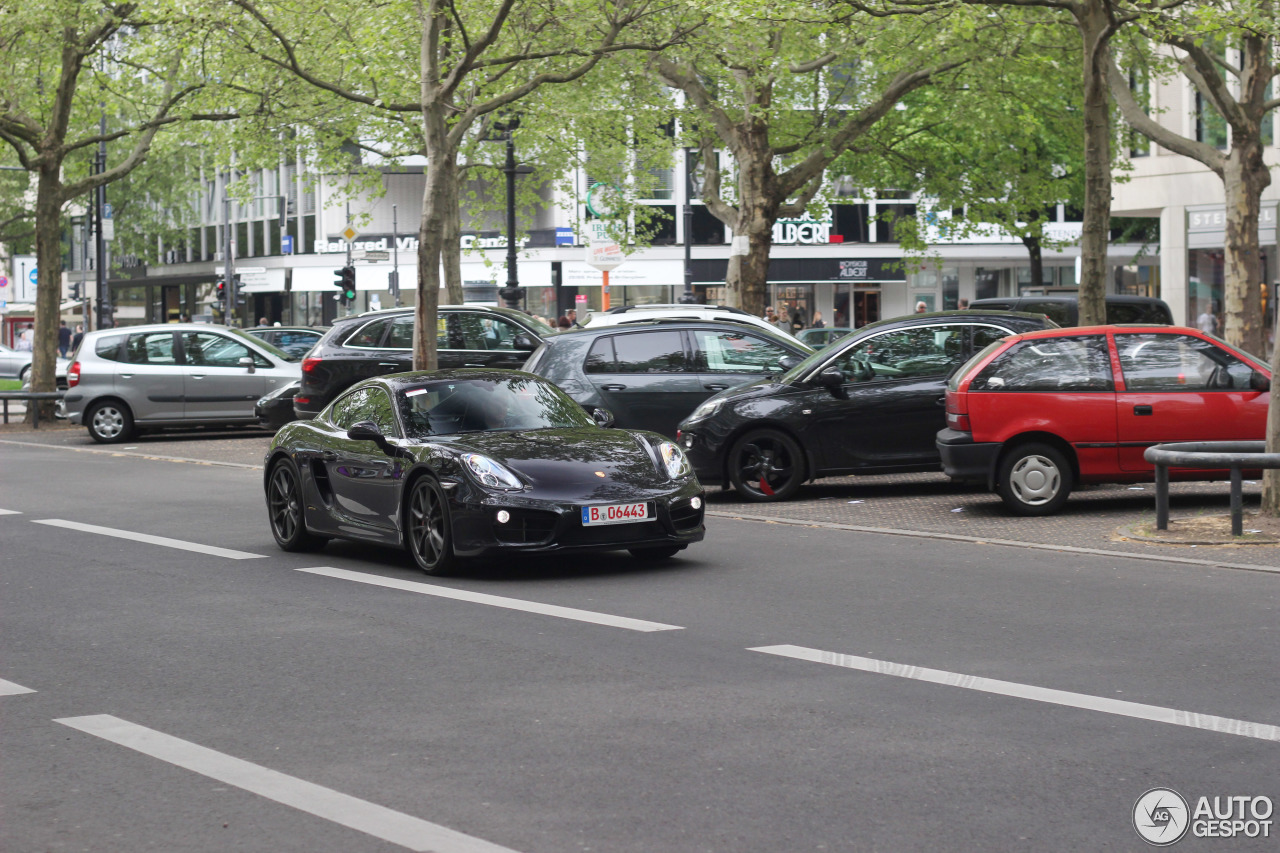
{"points": [[674, 462], [490, 473], [707, 409]]}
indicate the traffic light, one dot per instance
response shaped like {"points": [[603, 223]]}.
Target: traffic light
{"points": [[346, 284], [75, 290], [222, 290], [237, 289]]}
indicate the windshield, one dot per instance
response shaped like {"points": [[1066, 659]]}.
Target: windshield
{"points": [[448, 407], [261, 344]]}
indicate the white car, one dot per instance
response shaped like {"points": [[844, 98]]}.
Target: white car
{"points": [[645, 313]]}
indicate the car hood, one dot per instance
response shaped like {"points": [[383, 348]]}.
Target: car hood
{"points": [[584, 463]]}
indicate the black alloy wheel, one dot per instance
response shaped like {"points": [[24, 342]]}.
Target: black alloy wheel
{"points": [[109, 422], [766, 465], [428, 529], [658, 552], [284, 509]]}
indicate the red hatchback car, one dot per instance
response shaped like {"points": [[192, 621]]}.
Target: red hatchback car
{"points": [[1034, 414]]}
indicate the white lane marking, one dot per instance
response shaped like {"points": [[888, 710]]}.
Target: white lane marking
{"points": [[497, 601], [212, 550], [9, 512], [8, 688], [360, 815], [1155, 713], [150, 456]]}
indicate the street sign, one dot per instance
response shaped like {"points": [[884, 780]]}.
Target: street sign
{"points": [[4, 282], [371, 255], [349, 233], [603, 251], [286, 244]]}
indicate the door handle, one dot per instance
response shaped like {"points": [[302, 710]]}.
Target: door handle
{"points": [[613, 387], [329, 456], [941, 401], [125, 375], [475, 365], [715, 387], [388, 364], [196, 375], [1143, 410]]}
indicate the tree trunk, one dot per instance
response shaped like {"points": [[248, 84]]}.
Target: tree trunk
{"points": [[431, 231], [1095, 30], [1244, 179], [451, 251], [48, 288], [1036, 255]]}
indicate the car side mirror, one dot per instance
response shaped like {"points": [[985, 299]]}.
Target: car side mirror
{"points": [[602, 417], [830, 378], [789, 361], [1259, 381], [247, 362], [367, 431], [525, 342]]}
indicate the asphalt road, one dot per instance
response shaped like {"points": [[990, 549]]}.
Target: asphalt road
{"points": [[206, 692]]}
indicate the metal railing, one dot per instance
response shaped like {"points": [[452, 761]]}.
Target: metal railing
{"points": [[6, 396], [1237, 456]]}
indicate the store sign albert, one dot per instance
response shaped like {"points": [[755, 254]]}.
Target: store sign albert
{"points": [[802, 231]]}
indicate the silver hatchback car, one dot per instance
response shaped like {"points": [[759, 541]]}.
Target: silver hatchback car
{"points": [[176, 374]]}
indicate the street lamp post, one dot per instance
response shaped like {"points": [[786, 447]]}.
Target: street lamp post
{"points": [[511, 294], [687, 298]]}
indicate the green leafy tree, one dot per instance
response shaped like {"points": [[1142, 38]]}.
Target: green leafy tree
{"points": [[467, 60], [79, 75]]}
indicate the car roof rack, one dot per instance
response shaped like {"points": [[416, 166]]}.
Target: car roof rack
{"points": [[622, 309]]}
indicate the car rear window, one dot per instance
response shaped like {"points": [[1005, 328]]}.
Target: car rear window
{"points": [[1058, 312], [109, 347], [641, 352], [1050, 364], [369, 335]]}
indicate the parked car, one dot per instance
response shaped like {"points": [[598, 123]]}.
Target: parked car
{"points": [[1034, 415], [380, 342], [172, 374], [651, 375], [16, 364], [1065, 310], [276, 408], [869, 404], [824, 337], [296, 340], [645, 313], [465, 463]]}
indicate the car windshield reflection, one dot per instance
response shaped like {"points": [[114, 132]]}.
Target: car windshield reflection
{"points": [[449, 407]]}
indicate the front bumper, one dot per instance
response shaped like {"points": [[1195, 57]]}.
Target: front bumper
{"points": [[965, 460], [542, 527]]}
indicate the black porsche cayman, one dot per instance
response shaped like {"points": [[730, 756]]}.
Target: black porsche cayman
{"points": [[466, 463]]}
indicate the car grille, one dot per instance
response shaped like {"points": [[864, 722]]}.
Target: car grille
{"points": [[614, 533], [684, 516], [526, 527]]}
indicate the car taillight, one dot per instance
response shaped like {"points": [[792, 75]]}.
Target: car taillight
{"points": [[73, 375], [958, 412], [310, 364], [303, 400]]}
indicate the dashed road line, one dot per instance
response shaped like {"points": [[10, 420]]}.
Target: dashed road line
{"points": [[8, 688], [9, 512], [1155, 713], [360, 815], [496, 600], [152, 456], [212, 550]]}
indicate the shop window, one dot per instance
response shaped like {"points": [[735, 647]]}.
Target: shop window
{"points": [[851, 222], [707, 230]]}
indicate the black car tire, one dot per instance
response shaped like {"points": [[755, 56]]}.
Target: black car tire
{"points": [[22, 374], [1034, 479], [659, 552], [109, 422], [428, 528], [285, 509], [766, 465]]}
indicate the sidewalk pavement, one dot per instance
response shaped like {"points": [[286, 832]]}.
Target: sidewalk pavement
{"points": [[915, 504]]}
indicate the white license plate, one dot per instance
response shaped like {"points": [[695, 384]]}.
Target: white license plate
{"points": [[615, 514]]}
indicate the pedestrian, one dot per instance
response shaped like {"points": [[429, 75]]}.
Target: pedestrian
{"points": [[769, 315], [563, 323], [964, 304], [797, 324], [817, 320], [26, 339], [781, 319], [1207, 322], [64, 338], [263, 321], [921, 307], [572, 316], [77, 337]]}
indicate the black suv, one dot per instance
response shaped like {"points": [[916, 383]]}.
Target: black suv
{"points": [[1065, 310], [651, 374], [379, 342]]}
